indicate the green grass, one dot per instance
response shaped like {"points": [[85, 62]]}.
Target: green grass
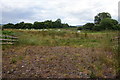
{"points": [[7, 32], [65, 37], [16, 59], [13, 60]]}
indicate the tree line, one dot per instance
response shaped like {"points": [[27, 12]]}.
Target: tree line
{"points": [[37, 25], [102, 21]]}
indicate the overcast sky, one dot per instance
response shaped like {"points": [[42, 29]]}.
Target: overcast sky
{"points": [[73, 12]]}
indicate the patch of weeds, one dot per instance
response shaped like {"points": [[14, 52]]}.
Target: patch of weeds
{"points": [[91, 45], [92, 75], [98, 67], [13, 60], [78, 55], [20, 57], [80, 68], [65, 74], [93, 40], [4, 47]]}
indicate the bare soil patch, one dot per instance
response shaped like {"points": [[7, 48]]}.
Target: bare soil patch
{"points": [[57, 62]]}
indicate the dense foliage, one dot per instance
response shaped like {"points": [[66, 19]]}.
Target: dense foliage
{"points": [[37, 25], [102, 21], [99, 17], [108, 23], [87, 26]]}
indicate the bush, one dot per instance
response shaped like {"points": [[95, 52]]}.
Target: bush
{"points": [[13, 60], [97, 27], [117, 27], [80, 28], [9, 26], [88, 26]]}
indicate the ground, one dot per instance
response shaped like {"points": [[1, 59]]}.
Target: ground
{"points": [[56, 62], [60, 54]]}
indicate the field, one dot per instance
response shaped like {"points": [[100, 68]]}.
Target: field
{"points": [[60, 53]]}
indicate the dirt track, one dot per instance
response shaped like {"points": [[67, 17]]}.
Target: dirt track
{"points": [[55, 62]]}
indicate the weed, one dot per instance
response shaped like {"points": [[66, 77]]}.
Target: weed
{"points": [[20, 57], [13, 60], [92, 75]]}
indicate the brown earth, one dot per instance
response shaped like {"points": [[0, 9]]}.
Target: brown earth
{"points": [[56, 62]]}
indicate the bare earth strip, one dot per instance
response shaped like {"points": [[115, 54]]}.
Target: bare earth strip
{"points": [[57, 62]]}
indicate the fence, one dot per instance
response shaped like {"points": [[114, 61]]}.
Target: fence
{"points": [[6, 39]]}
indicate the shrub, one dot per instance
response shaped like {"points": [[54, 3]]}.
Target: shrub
{"points": [[88, 26], [14, 60], [117, 27], [97, 27], [80, 28]]}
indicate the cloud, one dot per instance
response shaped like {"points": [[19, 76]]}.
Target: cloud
{"points": [[73, 12]]}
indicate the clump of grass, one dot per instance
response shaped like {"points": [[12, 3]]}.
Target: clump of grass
{"points": [[92, 75], [20, 57], [16, 59], [13, 60]]}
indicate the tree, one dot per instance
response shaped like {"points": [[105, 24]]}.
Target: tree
{"points": [[27, 25], [58, 23], [38, 25], [101, 16], [9, 25], [108, 23], [48, 24], [19, 25], [118, 27], [65, 25], [58, 20]]}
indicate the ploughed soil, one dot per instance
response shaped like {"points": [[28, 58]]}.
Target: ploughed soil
{"points": [[56, 62]]}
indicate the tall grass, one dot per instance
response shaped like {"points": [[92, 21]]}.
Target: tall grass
{"points": [[66, 38]]}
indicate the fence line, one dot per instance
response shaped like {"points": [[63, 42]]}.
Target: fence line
{"points": [[7, 39], [8, 36]]}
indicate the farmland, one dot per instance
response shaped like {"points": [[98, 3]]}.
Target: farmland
{"points": [[60, 53]]}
